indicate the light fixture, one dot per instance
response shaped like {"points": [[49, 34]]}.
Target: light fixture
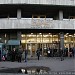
{"points": [[71, 41], [45, 35], [70, 35], [54, 35], [22, 35], [31, 33], [67, 33], [66, 36], [40, 33], [50, 35]]}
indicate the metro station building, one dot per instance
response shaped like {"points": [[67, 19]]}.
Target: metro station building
{"points": [[38, 23]]}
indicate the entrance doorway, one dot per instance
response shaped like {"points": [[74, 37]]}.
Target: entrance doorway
{"points": [[31, 49], [54, 49]]}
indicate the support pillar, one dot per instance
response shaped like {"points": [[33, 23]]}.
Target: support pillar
{"points": [[19, 36], [31, 49], [60, 15], [19, 14], [62, 40]]}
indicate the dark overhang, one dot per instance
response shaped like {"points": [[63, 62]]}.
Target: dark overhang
{"points": [[37, 9], [14, 31]]}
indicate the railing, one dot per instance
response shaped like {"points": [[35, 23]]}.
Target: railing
{"points": [[53, 2], [36, 24]]}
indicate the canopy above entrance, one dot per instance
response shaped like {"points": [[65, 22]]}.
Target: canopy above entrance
{"points": [[13, 42]]}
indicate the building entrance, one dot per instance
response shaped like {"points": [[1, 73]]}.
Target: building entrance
{"points": [[43, 41], [53, 47], [31, 49]]}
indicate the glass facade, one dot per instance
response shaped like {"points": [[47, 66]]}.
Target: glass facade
{"points": [[39, 38], [33, 41]]}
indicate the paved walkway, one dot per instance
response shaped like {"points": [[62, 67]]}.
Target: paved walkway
{"points": [[68, 64]]}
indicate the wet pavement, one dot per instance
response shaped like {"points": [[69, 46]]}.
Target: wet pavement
{"points": [[54, 64]]}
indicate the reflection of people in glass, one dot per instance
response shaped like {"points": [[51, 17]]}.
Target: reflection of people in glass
{"points": [[38, 70], [26, 71]]}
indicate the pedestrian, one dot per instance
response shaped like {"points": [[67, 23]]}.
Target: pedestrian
{"points": [[0, 55], [70, 52], [61, 54], [3, 58], [73, 52], [13, 54], [38, 53], [4, 53], [48, 52], [19, 54], [26, 52]]}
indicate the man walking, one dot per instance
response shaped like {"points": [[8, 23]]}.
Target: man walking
{"points": [[26, 52]]}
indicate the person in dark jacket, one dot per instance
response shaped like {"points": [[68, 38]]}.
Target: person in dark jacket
{"points": [[0, 55], [19, 55], [61, 54], [26, 52], [13, 54], [73, 51], [38, 53], [48, 52]]}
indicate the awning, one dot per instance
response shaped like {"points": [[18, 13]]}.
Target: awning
{"points": [[13, 42]]}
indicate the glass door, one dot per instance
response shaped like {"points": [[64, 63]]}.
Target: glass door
{"points": [[31, 49]]}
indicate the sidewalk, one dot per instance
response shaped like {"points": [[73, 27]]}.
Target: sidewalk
{"points": [[68, 64]]}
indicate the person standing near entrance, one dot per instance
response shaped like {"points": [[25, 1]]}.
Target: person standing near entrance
{"points": [[26, 52], [4, 54], [73, 51], [38, 53], [61, 52], [19, 54], [13, 54], [0, 55]]}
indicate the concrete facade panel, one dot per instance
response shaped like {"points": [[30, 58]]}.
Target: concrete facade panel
{"points": [[48, 2], [29, 24], [66, 25]]}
